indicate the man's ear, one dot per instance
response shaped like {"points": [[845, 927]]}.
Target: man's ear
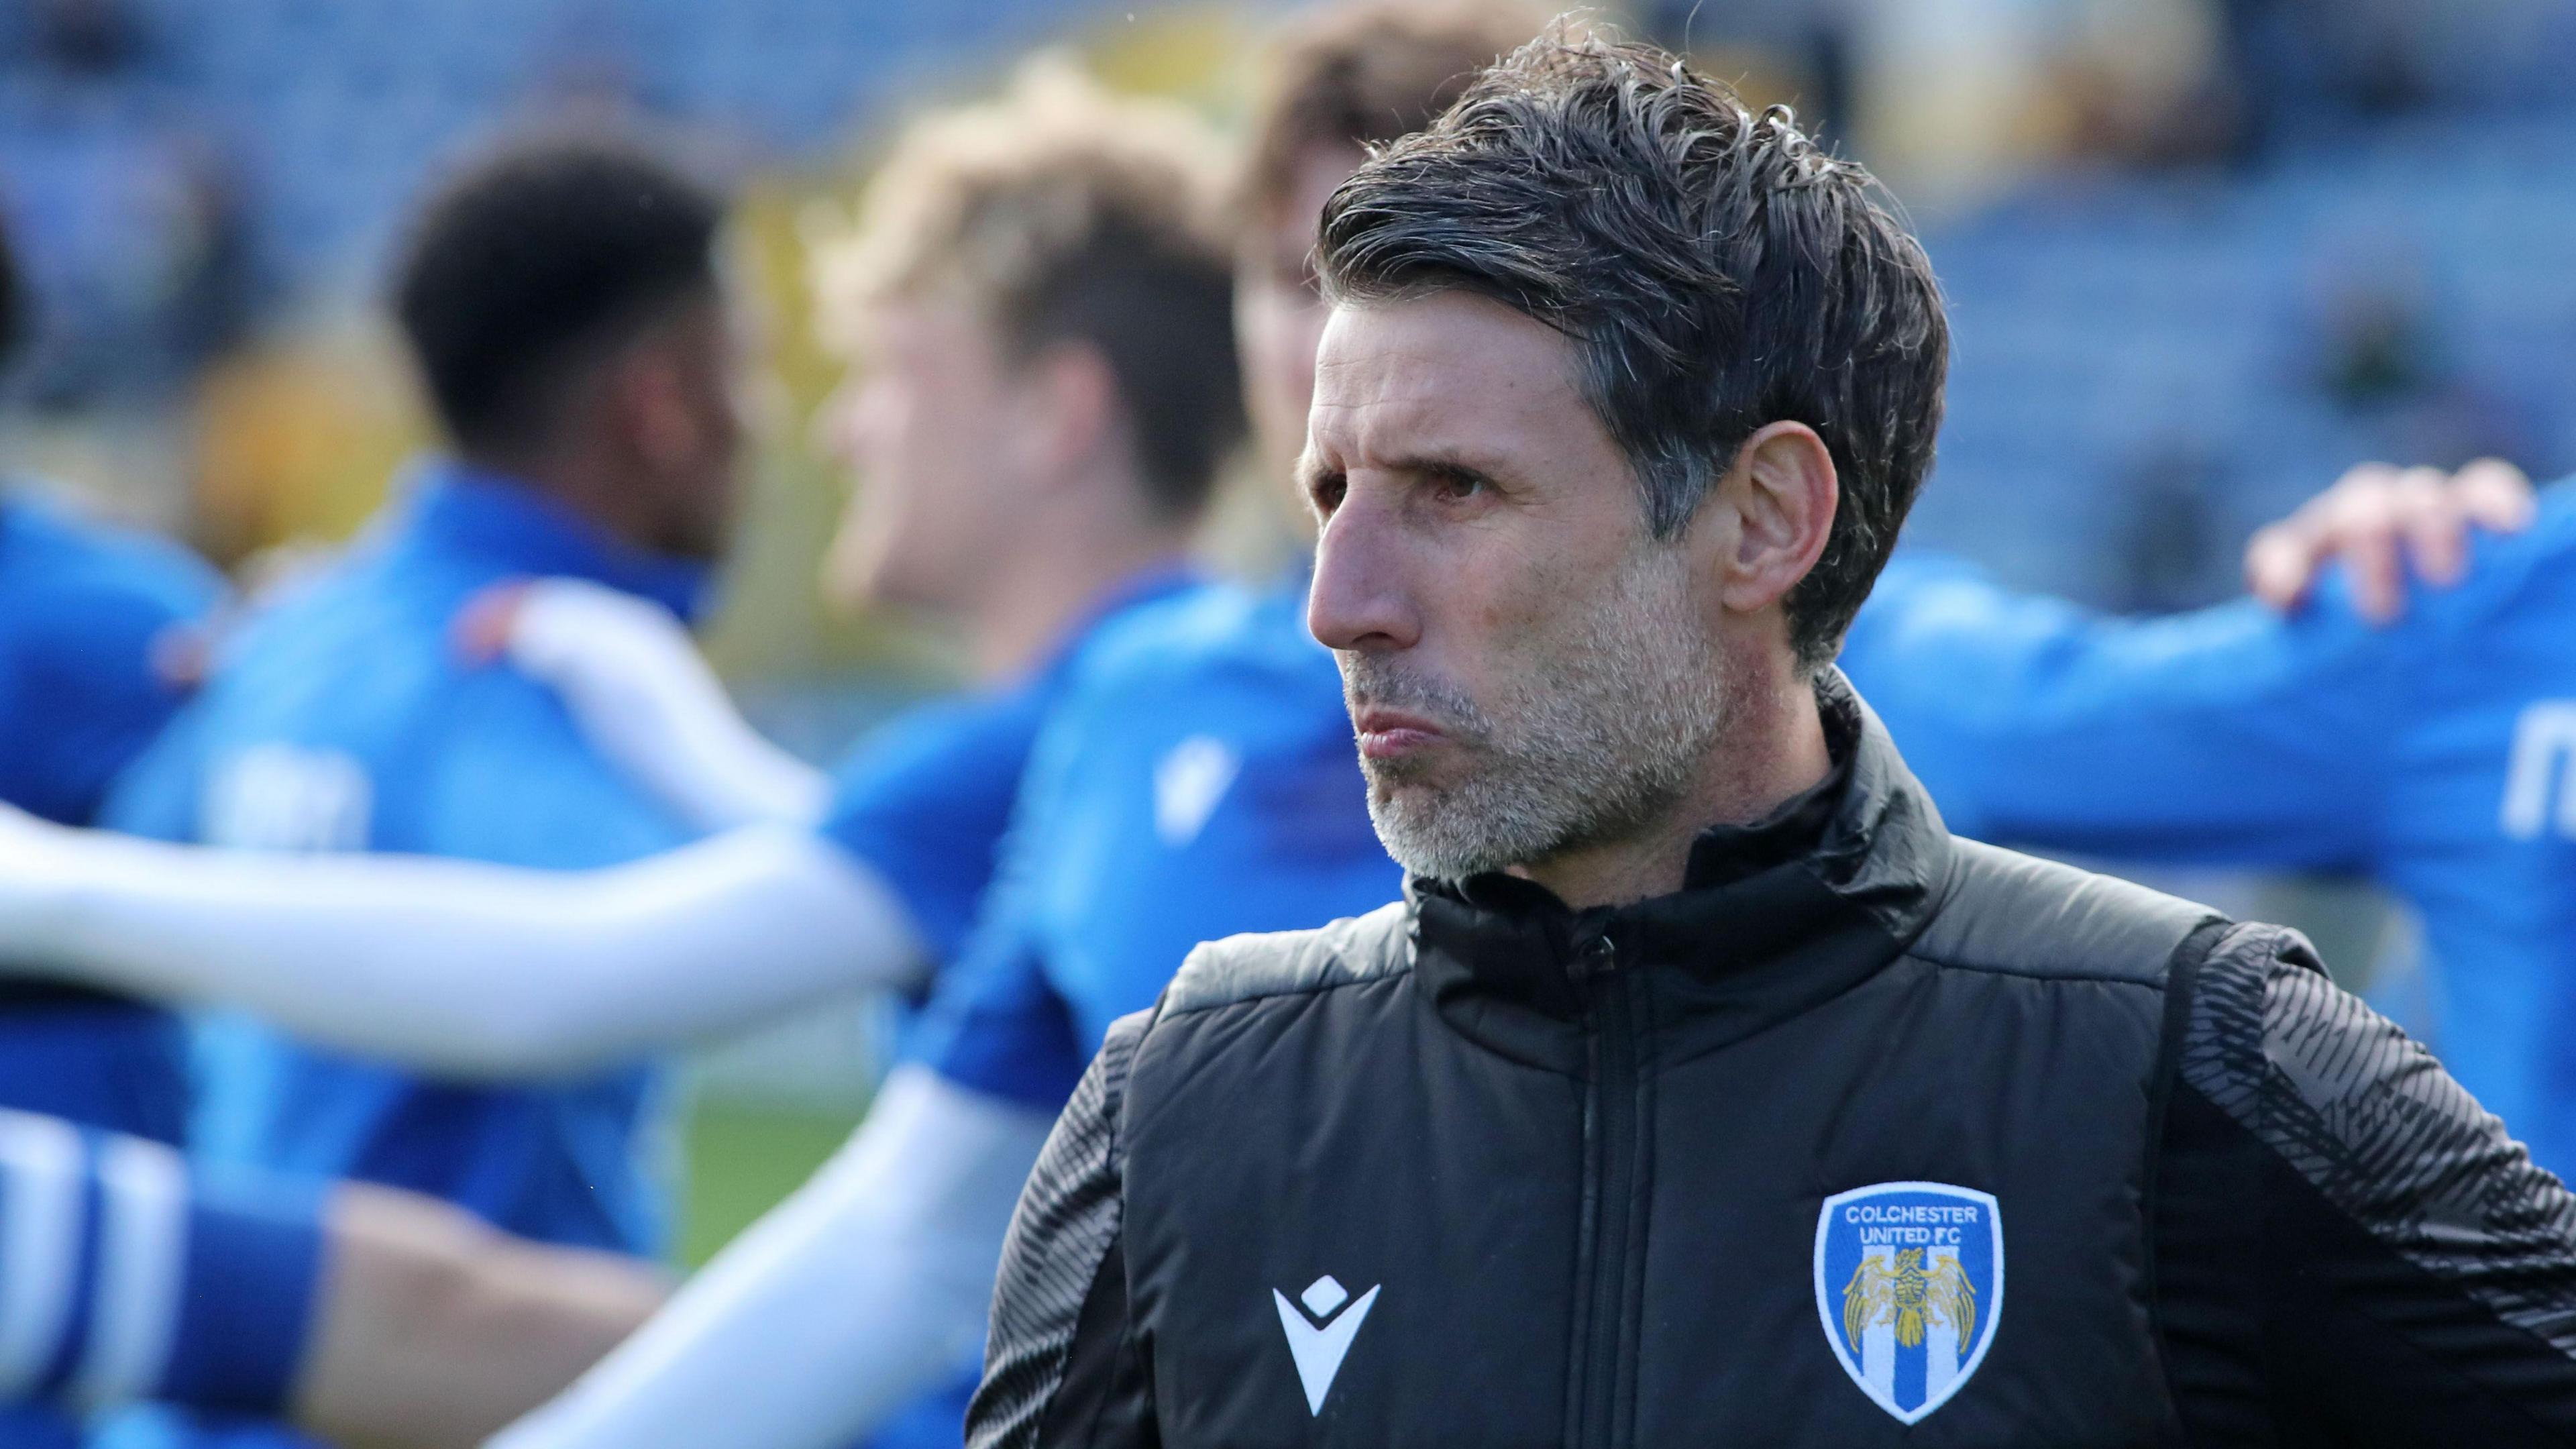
{"points": [[1077, 407], [649, 389], [1780, 493]]}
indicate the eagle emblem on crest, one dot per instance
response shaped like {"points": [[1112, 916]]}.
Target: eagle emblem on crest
{"points": [[1911, 1294]]}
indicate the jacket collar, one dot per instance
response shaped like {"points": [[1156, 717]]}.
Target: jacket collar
{"points": [[508, 525], [1776, 917]]}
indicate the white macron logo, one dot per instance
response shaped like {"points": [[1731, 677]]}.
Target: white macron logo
{"points": [[1188, 783], [1319, 1344]]}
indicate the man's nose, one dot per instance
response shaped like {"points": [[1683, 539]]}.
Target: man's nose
{"points": [[1363, 591]]}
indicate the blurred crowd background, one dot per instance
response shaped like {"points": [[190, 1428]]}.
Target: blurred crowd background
{"points": [[2201, 256]]}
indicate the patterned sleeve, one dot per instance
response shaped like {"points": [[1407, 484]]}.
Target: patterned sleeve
{"points": [[1060, 1368], [2349, 1248]]}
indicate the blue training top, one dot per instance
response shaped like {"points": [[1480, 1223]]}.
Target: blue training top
{"points": [[83, 609], [2434, 754], [1198, 781], [923, 802], [344, 719]]}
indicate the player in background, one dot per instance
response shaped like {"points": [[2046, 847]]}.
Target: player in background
{"points": [[560, 299], [1037, 306], [356, 1312], [125, 1274]]}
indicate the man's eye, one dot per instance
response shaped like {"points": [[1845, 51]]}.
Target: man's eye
{"points": [[1457, 484], [1326, 491]]}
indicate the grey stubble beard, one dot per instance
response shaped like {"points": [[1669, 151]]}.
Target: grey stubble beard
{"points": [[1605, 723]]}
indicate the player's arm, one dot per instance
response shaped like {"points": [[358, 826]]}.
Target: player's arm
{"points": [[453, 966], [640, 691], [1060, 1366], [852, 1296], [2229, 734], [2346, 1244], [431, 1328], [365, 1314]]}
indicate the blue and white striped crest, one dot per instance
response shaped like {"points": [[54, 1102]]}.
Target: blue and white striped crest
{"points": [[1910, 1285]]}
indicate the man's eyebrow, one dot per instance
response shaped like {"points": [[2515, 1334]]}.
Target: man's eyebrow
{"points": [[1441, 460]]}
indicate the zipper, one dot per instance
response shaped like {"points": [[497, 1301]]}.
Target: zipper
{"points": [[1610, 1170]]}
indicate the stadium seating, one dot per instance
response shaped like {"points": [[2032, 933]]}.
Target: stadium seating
{"points": [[2126, 345], [2106, 324]]}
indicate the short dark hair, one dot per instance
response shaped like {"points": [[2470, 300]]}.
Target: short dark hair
{"points": [[1065, 213], [1716, 270], [540, 256], [1365, 71]]}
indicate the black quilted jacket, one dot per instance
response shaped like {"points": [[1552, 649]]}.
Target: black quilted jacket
{"points": [[1870, 1137]]}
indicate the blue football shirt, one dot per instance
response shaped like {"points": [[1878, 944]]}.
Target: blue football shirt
{"points": [[1197, 779], [343, 718], [84, 609], [923, 802]]}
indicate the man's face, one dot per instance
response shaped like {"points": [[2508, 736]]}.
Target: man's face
{"points": [[1528, 671], [1278, 312], [922, 423]]}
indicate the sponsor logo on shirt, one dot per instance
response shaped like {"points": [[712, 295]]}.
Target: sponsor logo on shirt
{"points": [[279, 797], [1188, 783]]}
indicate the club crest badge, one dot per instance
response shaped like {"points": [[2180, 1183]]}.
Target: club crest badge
{"points": [[1910, 1286]]}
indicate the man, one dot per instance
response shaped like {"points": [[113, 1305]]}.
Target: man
{"points": [[124, 1274], [1037, 309], [560, 299], [349, 1309], [88, 617], [561, 302], [1067, 237], [1703, 1086], [1106, 888]]}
